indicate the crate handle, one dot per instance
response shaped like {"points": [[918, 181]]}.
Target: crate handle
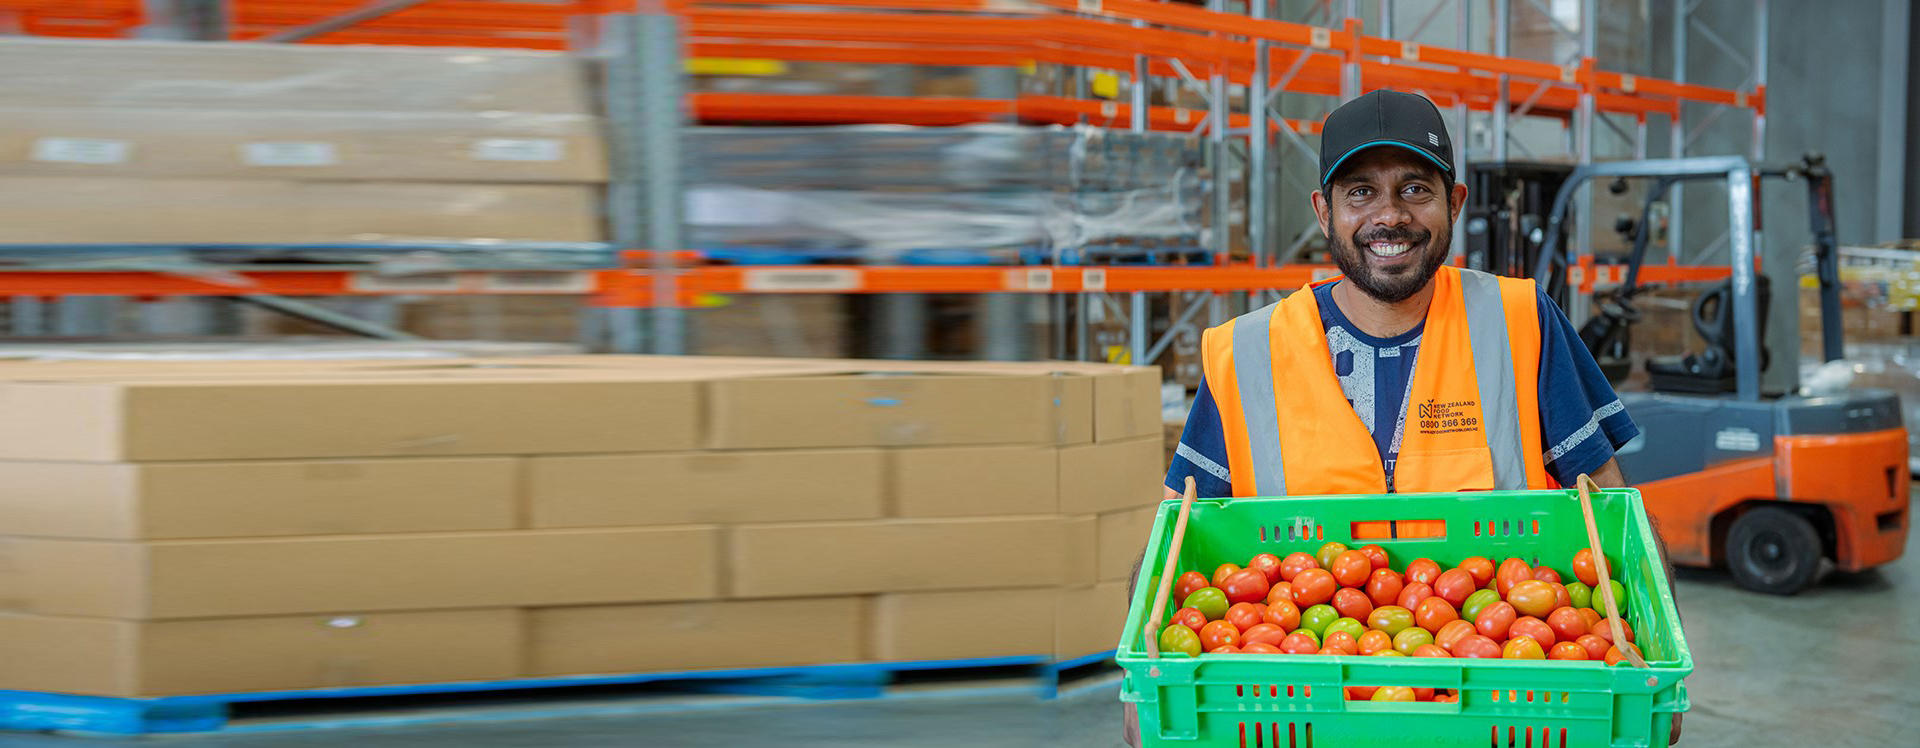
{"points": [[1166, 573], [1600, 565]]}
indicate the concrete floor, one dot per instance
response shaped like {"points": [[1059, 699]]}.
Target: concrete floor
{"points": [[1835, 666]]}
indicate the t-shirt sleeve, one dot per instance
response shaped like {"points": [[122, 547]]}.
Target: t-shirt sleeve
{"points": [[1583, 422], [1202, 452]]}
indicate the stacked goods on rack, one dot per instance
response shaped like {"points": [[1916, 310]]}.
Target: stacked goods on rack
{"points": [[199, 527], [158, 142]]}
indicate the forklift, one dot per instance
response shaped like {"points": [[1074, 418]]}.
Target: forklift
{"points": [[1766, 485]]}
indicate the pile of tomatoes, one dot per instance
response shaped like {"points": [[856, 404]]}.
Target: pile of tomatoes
{"points": [[1345, 601]]}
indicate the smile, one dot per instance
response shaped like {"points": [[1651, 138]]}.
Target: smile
{"points": [[1389, 249]]}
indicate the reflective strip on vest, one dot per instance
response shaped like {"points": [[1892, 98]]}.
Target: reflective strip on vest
{"points": [[1493, 371], [1253, 375]]}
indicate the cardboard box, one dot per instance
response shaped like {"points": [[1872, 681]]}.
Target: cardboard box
{"points": [[168, 658], [959, 625], [975, 481], [849, 558], [241, 499], [1126, 404], [1112, 477], [695, 636], [1080, 550], [1123, 536], [711, 487], [879, 410], [305, 77], [1089, 619], [407, 414], [62, 209], [408, 146], [211, 578]]}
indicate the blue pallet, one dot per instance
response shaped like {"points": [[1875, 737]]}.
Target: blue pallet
{"points": [[107, 715]]}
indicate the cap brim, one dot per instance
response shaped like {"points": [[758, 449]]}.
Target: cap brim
{"points": [[1327, 177]]}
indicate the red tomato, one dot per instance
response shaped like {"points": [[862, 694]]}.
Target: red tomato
{"points": [[1246, 586], [1294, 563], [1494, 620], [1313, 587], [1453, 585], [1226, 650], [1561, 597], [1567, 625], [1299, 643], [1263, 633], [1423, 570], [1412, 594], [1433, 613], [1445, 698], [1481, 568], [1260, 648], [1373, 641], [1383, 587], [1422, 694], [1614, 656], [1360, 693], [1221, 572], [1512, 571], [1596, 647], [1188, 583], [1431, 650], [1452, 633], [1591, 616], [1344, 642], [1375, 555], [1352, 603], [1567, 651], [1477, 647], [1191, 618], [1244, 616], [1545, 574], [1279, 591], [1351, 569], [1218, 634], [1282, 613], [1603, 630], [1329, 650], [1532, 628], [1268, 564], [1583, 568], [1522, 648], [1531, 597]]}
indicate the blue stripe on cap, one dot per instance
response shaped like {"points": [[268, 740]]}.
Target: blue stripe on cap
{"points": [[1369, 144]]}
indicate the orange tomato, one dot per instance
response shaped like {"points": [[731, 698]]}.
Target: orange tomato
{"points": [[1583, 568], [1279, 591], [1596, 647], [1294, 563], [1351, 568], [1282, 613], [1263, 633], [1476, 646], [1412, 594], [1225, 650], [1329, 650], [1373, 641], [1590, 616], [1452, 633], [1218, 634], [1512, 571], [1352, 603], [1567, 651], [1260, 648], [1313, 587], [1522, 648], [1434, 613], [1431, 650], [1300, 643], [1383, 587], [1494, 620], [1423, 570], [1531, 597], [1567, 624], [1191, 618], [1344, 642], [1603, 630], [1445, 698], [1188, 584], [1393, 693], [1221, 572], [1480, 567], [1532, 628], [1614, 656], [1243, 616], [1375, 555]]}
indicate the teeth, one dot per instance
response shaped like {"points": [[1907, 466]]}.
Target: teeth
{"points": [[1387, 249]]}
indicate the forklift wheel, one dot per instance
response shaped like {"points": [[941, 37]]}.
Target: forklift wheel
{"points": [[1773, 550]]}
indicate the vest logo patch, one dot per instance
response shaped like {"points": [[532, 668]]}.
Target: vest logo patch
{"points": [[1446, 418]]}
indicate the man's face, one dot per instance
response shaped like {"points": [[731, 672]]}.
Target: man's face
{"points": [[1388, 217]]}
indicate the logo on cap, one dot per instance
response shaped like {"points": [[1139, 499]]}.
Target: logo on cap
{"points": [[1432, 138]]}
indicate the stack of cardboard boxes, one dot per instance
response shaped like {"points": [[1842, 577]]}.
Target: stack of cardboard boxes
{"points": [[158, 142], [217, 527]]}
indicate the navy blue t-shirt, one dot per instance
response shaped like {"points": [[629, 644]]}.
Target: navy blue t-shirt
{"points": [[1583, 422]]}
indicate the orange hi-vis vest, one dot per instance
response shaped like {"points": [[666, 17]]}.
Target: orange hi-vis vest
{"points": [[1473, 411]]}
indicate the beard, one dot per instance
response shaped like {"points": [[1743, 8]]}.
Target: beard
{"points": [[1391, 286]]}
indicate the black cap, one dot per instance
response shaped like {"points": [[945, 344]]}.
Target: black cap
{"points": [[1385, 118]]}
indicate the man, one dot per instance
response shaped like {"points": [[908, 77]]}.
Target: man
{"points": [[1404, 374]]}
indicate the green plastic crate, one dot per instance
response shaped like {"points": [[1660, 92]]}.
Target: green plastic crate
{"points": [[1270, 701]]}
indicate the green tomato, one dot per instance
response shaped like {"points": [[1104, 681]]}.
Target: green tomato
{"points": [[1582, 595], [1328, 553], [1178, 638], [1478, 600], [1410, 639], [1317, 618], [1599, 602], [1392, 619], [1353, 627], [1210, 601]]}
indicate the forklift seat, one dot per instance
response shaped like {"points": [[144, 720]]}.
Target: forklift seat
{"points": [[1712, 370]]}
